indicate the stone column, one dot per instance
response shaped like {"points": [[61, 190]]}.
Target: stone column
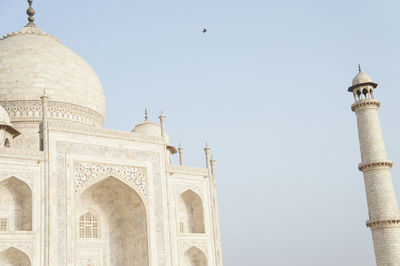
{"points": [[384, 218]]}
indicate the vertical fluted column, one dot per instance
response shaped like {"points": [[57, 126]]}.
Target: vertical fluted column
{"points": [[384, 218]]}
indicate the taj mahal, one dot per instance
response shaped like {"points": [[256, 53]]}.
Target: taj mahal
{"points": [[75, 193]]}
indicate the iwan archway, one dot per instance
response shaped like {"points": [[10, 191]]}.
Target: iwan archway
{"points": [[14, 257], [111, 225]]}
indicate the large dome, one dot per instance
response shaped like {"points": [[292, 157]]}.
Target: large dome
{"points": [[31, 61]]}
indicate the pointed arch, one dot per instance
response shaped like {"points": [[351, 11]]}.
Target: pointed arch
{"points": [[123, 221], [98, 179], [191, 213], [16, 204], [14, 257], [195, 257]]}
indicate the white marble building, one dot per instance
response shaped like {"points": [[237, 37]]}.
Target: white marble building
{"points": [[75, 193]]}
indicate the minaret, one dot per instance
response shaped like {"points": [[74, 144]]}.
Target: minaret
{"points": [[384, 218], [207, 152]]}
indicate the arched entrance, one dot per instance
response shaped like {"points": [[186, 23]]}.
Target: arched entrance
{"points": [[111, 226], [195, 257], [15, 205], [191, 215], [14, 257]]}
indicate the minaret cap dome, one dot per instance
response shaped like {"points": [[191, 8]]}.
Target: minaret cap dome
{"points": [[362, 79], [31, 61]]}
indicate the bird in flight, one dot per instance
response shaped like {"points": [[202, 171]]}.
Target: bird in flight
{"points": [[204, 30]]}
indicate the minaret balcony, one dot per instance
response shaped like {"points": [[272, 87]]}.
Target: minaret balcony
{"points": [[375, 165], [393, 222], [364, 104]]}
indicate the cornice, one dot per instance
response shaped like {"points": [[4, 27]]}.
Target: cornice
{"points": [[101, 132], [375, 165]]}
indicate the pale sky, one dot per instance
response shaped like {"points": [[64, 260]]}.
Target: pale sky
{"points": [[267, 87]]}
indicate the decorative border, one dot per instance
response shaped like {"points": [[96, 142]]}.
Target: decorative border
{"points": [[32, 110], [371, 103], [85, 172], [369, 166]]}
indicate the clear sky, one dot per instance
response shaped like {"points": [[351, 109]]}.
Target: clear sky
{"points": [[267, 87]]}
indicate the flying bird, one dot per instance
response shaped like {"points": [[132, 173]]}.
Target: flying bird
{"points": [[204, 30]]}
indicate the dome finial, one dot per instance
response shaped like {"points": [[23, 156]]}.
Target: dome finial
{"points": [[146, 117], [30, 12], [359, 68]]}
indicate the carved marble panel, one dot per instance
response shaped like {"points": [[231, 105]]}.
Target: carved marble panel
{"points": [[86, 172]]}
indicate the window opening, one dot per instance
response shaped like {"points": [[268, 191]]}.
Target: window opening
{"points": [[3, 224], [88, 226]]}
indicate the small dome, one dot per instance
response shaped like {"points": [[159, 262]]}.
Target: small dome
{"points": [[4, 117], [361, 79], [148, 128]]}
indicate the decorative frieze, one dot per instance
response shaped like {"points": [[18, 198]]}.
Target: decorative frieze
{"points": [[86, 172], [32, 111], [375, 165]]}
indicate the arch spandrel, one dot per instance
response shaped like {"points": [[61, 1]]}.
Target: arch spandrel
{"points": [[87, 174]]}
